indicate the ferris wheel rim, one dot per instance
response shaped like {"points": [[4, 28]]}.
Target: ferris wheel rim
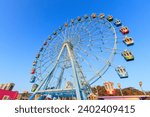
{"points": [[105, 68]]}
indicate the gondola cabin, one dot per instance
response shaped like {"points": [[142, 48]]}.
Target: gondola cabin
{"points": [[110, 18], [128, 41], [121, 72], [49, 37], [41, 49], [32, 80], [109, 87], [54, 33], [38, 55], [34, 87], [79, 18], [93, 15], [128, 55], [85, 16], [66, 24], [33, 71], [102, 15], [45, 43], [124, 30], [60, 28], [34, 63], [118, 23], [72, 21]]}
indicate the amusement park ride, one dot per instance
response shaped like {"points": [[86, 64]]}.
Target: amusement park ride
{"points": [[77, 55]]}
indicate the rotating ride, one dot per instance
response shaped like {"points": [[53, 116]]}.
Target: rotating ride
{"points": [[77, 55]]}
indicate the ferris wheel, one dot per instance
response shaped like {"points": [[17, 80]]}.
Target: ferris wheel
{"points": [[76, 55]]}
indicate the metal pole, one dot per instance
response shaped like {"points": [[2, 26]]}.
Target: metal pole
{"points": [[119, 86], [71, 56], [140, 83]]}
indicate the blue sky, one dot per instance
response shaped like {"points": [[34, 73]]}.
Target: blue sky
{"points": [[25, 24]]}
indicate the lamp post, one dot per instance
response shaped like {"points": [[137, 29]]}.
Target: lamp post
{"points": [[140, 84], [96, 87], [119, 86]]}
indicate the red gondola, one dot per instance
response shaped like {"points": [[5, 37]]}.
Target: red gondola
{"points": [[109, 87], [33, 71], [124, 30]]}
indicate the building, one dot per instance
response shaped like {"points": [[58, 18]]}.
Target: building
{"points": [[8, 86], [132, 97], [6, 92], [8, 95]]}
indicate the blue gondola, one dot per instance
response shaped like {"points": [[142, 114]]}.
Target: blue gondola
{"points": [[41, 49], [32, 80], [85, 16]]}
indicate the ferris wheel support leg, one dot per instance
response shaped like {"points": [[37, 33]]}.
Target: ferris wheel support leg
{"points": [[32, 96], [79, 94], [49, 75], [60, 79]]}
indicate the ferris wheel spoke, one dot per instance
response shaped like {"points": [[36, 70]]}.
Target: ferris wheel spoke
{"points": [[90, 66], [96, 57]]}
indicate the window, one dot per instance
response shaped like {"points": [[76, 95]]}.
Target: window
{"points": [[5, 97]]}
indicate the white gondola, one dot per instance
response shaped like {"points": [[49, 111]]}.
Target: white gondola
{"points": [[121, 72], [128, 41]]}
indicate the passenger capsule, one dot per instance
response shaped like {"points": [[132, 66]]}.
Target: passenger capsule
{"points": [[109, 87], [79, 18], [121, 72], [54, 33], [34, 63], [34, 87], [32, 80], [85, 16], [94, 15], [128, 55], [33, 71], [118, 23], [45, 43], [38, 55], [124, 30], [102, 15], [110, 18], [66, 24], [128, 41]]}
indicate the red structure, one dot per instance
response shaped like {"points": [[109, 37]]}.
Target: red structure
{"points": [[8, 95]]}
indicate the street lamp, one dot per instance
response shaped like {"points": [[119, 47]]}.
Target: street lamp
{"points": [[119, 86], [140, 84], [96, 87]]}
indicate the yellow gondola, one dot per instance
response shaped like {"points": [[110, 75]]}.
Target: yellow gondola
{"points": [[102, 15], [110, 18], [128, 55]]}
